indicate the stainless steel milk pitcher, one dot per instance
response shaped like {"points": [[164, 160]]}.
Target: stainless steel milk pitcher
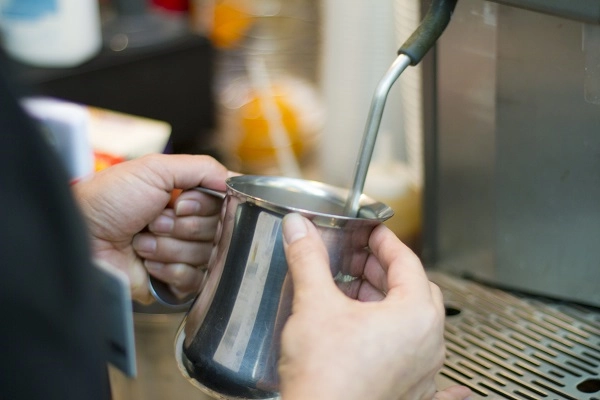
{"points": [[228, 343]]}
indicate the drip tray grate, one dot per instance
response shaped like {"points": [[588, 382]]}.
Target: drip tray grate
{"points": [[508, 346]]}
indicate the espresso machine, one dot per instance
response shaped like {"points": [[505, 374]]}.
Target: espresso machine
{"points": [[512, 196]]}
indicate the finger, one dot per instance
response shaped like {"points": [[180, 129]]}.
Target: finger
{"points": [[184, 228], [349, 288], [375, 274], [171, 250], [438, 297], [368, 292], [429, 389], [307, 259], [138, 283], [185, 171], [360, 290], [405, 273], [183, 278], [453, 393], [193, 202]]}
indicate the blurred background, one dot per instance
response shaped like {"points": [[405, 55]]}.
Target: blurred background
{"points": [[265, 86]]}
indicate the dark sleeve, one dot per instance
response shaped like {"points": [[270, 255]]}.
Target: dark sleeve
{"points": [[50, 342]]}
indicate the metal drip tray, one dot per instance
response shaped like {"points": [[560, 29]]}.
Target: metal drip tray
{"points": [[507, 346]]}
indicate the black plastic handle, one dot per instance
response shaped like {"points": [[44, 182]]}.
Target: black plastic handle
{"points": [[429, 31]]}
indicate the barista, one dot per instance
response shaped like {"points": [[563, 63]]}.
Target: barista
{"points": [[49, 336]]}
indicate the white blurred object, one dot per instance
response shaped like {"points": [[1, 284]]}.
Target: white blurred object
{"points": [[66, 126], [261, 83], [125, 135], [51, 33], [407, 17], [79, 133], [358, 47], [387, 178]]}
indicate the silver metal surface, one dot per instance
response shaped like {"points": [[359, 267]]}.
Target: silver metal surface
{"points": [[513, 196], [229, 342], [323, 203], [165, 296], [582, 10], [518, 171], [505, 346], [371, 129]]}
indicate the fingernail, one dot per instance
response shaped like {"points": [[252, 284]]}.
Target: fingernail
{"points": [[144, 243], [162, 224], [187, 207], [153, 265], [294, 228]]}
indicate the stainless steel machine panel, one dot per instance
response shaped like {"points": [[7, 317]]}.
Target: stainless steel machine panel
{"points": [[581, 10], [516, 199]]}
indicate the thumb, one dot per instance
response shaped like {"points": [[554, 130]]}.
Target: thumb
{"points": [[307, 259], [453, 393]]}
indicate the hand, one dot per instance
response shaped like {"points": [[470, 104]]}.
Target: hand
{"points": [[334, 347], [121, 202]]}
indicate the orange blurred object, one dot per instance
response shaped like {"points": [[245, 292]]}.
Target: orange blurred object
{"points": [[174, 195], [231, 21], [255, 143], [105, 160]]}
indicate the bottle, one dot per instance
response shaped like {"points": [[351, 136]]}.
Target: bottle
{"points": [[51, 33]]}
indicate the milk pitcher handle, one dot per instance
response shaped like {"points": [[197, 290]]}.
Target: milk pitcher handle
{"points": [[161, 291]]}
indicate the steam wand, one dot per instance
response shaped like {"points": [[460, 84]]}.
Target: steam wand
{"points": [[410, 53]]}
